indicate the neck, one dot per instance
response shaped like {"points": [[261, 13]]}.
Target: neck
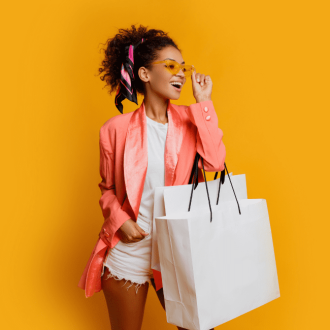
{"points": [[156, 108]]}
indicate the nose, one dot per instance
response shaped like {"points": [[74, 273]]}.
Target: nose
{"points": [[181, 73]]}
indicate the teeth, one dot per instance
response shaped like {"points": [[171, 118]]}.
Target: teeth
{"points": [[176, 83]]}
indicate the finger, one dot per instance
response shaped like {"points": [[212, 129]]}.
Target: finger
{"points": [[202, 79], [208, 78], [141, 231], [195, 84], [135, 240], [193, 78], [137, 236], [198, 79], [127, 241], [131, 239]]}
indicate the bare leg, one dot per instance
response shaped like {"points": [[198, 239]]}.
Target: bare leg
{"points": [[125, 307], [160, 295]]}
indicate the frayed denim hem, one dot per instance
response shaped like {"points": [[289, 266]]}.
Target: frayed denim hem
{"points": [[118, 277]]}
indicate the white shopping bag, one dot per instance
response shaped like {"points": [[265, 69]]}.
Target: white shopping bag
{"points": [[214, 271], [200, 198]]}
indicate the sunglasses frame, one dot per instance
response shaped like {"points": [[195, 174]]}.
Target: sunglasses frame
{"points": [[178, 67]]}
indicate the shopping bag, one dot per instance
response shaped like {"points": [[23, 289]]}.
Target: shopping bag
{"points": [[239, 182], [217, 260]]}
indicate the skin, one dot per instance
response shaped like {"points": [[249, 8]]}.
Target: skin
{"points": [[126, 307]]}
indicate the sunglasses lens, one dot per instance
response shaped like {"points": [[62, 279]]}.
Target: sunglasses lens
{"points": [[188, 70], [172, 67], [175, 67]]}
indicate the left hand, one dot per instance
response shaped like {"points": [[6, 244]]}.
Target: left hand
{"points": [[202, 87]]}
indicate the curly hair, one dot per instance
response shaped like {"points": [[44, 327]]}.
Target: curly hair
{"points": [[144, 54]]}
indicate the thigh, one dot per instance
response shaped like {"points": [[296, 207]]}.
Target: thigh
{"points": [[160, 295], [125, 307]]}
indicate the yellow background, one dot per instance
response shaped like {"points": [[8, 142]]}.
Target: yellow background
{"points": [[269, 62]]}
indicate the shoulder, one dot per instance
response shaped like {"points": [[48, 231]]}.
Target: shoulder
{"points": [[182, 111], [115, 123], [179, 107]]}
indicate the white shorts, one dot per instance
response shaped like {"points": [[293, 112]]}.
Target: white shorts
{"points": [[131, 261]]}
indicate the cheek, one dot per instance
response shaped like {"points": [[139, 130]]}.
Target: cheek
{"points": [[163, 83]]}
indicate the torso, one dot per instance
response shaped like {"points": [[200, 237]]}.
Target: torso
{"points": [[156, 133]]}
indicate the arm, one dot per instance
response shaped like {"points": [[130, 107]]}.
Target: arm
{"points": [[113, 214], [209, 142]]}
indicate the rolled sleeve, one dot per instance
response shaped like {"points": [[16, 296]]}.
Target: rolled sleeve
{"points": [[209, 142]]}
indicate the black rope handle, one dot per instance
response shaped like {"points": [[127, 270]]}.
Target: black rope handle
{"points": [[195, 183], [221, 181], [193, 171], [223, 172], [194, 179]]}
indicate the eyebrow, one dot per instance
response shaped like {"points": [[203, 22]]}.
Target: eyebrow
{"points": [[174, 60]]}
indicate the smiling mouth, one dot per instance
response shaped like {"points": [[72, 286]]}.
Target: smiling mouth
{"points": [[177, 87]]}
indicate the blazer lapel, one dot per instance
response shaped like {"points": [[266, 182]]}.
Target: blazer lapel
{"points": [[136, 158], [136, 152], [173, 142]]}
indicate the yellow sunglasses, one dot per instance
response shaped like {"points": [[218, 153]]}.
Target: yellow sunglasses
{"points": [[174, 67]]}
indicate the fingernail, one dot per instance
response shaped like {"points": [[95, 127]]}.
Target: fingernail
{"points": [[197, 80], [202, 84]]}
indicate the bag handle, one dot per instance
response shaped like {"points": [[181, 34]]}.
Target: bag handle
{"points": [[222, 181], [194, 180], [194, 173]]}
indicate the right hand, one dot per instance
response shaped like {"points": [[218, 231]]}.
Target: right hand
{"points": [[131, 232]]}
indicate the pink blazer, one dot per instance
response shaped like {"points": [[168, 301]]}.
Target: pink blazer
{"points": [[123, 167]]}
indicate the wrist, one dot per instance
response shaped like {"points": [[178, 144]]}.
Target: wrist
{"points": [[204, 99]]}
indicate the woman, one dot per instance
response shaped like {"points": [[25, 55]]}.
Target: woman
{"points": [[152, 146]]}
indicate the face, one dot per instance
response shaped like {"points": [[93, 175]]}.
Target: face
{"points": [[158, 79]]}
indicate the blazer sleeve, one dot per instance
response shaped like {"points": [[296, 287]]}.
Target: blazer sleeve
{"points": [[209, 142], [113, 214]]}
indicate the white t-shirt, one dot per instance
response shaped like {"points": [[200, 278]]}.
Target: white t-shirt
{"points": [[155, 177]]}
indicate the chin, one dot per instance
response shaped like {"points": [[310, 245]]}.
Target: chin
{"points": [[175, 98], [172, 95]]}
